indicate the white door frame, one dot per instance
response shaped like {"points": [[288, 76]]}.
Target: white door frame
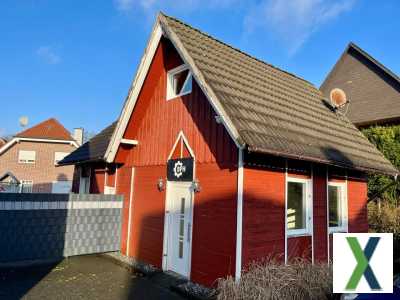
{"points": [[167, 221]]}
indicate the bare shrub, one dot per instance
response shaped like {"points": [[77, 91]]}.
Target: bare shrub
{"points": [[385, 218], [273, 280]]}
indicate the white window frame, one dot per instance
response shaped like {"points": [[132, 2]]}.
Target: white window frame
{"points": [[24, 183], [343, 213], [25, 161], [170, 75], [307, 206], [63, 154]]}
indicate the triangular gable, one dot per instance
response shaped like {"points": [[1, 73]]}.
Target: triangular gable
{"points": [[161, 29], [181, 148]]}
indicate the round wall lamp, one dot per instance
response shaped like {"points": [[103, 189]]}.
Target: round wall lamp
{"points": [[160, 185], [196, 186]]}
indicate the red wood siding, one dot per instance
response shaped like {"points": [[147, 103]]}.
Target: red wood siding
{"points": [[357, 205], [124, 188], [214, 224], [156, 123], [111, 174], [320, 225], [97, 178], [263, 214], [299, 247], [148, 209]]}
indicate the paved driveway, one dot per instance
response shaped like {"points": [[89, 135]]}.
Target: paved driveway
{"points": [[83, 277]]}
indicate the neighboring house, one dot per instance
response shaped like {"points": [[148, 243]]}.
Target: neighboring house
{"points": [[224, 160], [33, 154], [373, 90], [92, 173], [3, 141]]}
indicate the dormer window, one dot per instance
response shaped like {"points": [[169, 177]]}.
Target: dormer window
{"points": [[179, 82]]}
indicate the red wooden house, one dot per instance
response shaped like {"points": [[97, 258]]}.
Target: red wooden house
{"points": [[224, 159]]}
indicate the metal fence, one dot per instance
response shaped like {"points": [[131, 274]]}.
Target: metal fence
{"points": [[52, 226]]}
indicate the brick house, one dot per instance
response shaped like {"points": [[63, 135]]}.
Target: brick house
{"points": [[224, 159], [373, 90], [32, 155]]}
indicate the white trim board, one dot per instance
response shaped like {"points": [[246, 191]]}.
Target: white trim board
{"points": [[239, 217], [19, 139]]}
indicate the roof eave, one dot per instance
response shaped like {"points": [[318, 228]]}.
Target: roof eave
{"points": [[256, 149]]}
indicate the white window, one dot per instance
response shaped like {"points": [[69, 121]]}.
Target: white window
{"points": [[26, 157], [299, 206], [337, 200], [179, 82], [84, 182], [26, 186], [58, 156]]}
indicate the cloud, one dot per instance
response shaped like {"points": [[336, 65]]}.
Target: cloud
{"points": [[294, 21], [151, 6], [47, 54]]}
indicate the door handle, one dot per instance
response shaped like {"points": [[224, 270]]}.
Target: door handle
{"points": [[188, 231]]}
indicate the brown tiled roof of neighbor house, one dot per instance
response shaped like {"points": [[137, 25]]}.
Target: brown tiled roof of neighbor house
{"points": [[273, 111], [93, 150], [373, 90], [50, 129]]}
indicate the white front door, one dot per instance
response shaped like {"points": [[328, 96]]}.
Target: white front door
{"points": [[179, 211]]}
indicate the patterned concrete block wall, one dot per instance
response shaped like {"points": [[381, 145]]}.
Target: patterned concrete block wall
{"points": [[52, 226]]}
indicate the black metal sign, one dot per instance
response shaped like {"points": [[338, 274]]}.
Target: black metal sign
{"points": [[180, 169]]}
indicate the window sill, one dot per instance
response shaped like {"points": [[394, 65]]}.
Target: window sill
{"points": [[178, 96], [337, 230], [298, 234]]}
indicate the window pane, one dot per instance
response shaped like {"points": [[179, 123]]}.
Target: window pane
{"points": [[179, 80], [334, 201], [296, 216]]}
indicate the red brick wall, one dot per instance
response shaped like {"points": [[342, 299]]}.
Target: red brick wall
{"points": [[44, 171]]}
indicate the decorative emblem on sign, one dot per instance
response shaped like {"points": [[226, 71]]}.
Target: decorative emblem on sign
{"points": [[179, 169]]}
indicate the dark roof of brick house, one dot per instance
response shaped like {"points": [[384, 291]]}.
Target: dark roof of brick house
{"points": [[50, 129], [373, 90], [93, 150], [273, 111]]}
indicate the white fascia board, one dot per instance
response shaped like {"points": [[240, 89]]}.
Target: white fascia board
{"points": [[129, 142], [133, 93], [19, 139]]}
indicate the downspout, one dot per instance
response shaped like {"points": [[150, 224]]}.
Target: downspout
{"points": [[239, 216]]}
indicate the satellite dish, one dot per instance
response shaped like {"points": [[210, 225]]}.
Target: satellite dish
{"points": [[338, 98], [23, 121]]}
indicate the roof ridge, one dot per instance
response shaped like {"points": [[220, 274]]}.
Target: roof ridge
{"points": [[238, 50], [373, 60]]}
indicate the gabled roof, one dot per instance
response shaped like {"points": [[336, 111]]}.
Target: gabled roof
{"points": [[50, 129], [373, 90], [263, 108], [93, 150]]}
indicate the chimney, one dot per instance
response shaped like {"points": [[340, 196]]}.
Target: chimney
{"points": [[78, 135]]}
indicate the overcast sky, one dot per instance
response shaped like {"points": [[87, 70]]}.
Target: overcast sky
{"points": [[74, 60]]}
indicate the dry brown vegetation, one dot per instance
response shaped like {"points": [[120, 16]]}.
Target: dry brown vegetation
{"points": [[274, 280], [385, 218]]}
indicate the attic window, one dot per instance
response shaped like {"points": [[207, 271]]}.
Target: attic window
{"points": [[179, 82]]}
